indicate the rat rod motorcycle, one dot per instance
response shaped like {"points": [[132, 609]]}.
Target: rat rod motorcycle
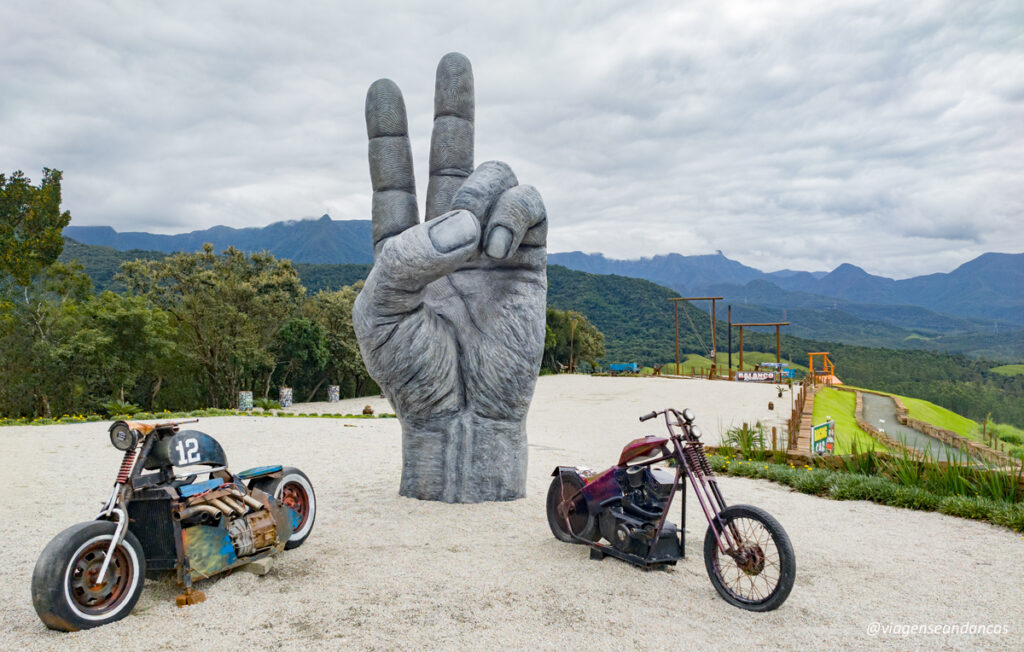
{"points": [[157, 520], [747, 553]]}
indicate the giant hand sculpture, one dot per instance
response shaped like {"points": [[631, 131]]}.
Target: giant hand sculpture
{"points": [[450, 321]]}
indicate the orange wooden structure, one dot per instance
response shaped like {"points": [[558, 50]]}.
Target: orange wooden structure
{"points": [[828, 369]]}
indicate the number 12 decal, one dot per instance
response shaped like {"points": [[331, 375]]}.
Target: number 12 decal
{"points": [[188, 451]]}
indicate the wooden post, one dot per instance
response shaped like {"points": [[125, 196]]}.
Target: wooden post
{"points": [[730, 343], [741, 348], [572, 332], [676, 304], [778, 346], [774, 439], [714, 340]]}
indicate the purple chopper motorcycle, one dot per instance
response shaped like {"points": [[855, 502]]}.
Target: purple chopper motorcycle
{"points": [[748, 555]]}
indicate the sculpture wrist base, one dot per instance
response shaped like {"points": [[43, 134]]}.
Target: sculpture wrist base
{"points": [[463, 458]]}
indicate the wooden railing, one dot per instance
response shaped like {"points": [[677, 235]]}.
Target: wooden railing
{"points": [[798, 408]]}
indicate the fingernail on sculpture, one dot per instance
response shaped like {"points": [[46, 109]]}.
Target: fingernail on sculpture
{"points": [[450, 321]]}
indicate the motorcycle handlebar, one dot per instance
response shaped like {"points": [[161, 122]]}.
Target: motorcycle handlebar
{"points": [[650, 415]]}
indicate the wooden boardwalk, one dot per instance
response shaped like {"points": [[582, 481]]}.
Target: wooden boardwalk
{"points": [[803, 439]]}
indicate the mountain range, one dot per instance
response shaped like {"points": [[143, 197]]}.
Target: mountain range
{"points": [[978, 308], [988, 289], [320, 240]]}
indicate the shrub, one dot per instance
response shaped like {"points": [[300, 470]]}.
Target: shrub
{"points": [[266, 404], [1008, 436], [1011, 516], [914, 498], [116, 408], [814, 481], [863, 463], [864, 487], [750, 441], [965, 507]]}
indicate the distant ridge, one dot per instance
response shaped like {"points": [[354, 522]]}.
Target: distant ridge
{"points": [[322, 240], [988, 289], [674, 270]]}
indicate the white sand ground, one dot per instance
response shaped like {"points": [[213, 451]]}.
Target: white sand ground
{"points": [[384, 572]]}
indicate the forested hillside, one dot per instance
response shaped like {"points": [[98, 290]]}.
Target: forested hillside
{"points": [[637, 320]]}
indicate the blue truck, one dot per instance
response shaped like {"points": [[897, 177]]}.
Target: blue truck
{"points": [[624, 368]]}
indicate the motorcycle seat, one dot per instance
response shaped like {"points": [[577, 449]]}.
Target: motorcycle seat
{"points": [[258, 471], [199, 487]]}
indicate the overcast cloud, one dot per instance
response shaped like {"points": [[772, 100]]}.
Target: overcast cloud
{"points": [[785, 134]]}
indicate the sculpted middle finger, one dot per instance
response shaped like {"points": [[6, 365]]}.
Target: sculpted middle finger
{"points": [[482, 189]]}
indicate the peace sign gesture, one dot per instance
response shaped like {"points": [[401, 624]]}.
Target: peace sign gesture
{"points": [[451, 319]]}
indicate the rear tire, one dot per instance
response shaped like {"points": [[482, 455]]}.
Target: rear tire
{"points": [[63, 591], [579, 521], [293, 489]]}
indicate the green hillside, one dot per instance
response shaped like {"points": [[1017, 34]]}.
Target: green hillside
{"points": [[637, 320], [1010, 369]]}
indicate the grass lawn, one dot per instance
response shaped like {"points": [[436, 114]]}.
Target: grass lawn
{"points": [[1010, 369], [939, 417], [703, 363], [841, 406], [943, 418]]}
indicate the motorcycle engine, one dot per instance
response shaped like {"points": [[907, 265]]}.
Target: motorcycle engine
{"points": [[250, 527], [630, 525], [252, 532]]}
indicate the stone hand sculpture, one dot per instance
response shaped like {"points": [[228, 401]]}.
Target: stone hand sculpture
{"points": [[451, 319]]}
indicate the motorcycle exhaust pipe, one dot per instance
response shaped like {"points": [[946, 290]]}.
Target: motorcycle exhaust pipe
{"points": [[233, 504], [252, 502], [197, 509], [216, 502]]}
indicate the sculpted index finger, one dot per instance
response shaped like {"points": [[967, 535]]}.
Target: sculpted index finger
{"points": [[391, 173], [451, 144]]}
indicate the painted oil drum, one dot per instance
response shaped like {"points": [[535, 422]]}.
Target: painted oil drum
{"points": [[333, 393], [244, 400], [285, 394]]}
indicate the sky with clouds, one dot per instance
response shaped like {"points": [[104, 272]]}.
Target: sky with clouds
{"points": [[785, 134]]}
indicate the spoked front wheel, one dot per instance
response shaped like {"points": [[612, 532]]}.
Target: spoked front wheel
{"points": [[757, 571]]}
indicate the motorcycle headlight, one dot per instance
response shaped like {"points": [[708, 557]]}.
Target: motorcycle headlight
{"points": [[688, 416], [695, 431], [122, 437]]}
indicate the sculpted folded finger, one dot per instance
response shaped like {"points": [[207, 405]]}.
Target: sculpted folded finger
{"points": [[478, 194], [518, 211]]}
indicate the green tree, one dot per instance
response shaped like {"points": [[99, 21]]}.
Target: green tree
{"points": [[227, 311], [344, 366], [136, 342], [49, 348], [301, 353], [30, 225], [570, 339]]}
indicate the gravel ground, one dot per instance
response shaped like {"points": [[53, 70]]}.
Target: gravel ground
{"points": [[385, 572]]}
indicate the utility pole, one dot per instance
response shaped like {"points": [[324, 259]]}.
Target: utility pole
{"points": [[676, 304], [572, 333], [730, 341]]}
